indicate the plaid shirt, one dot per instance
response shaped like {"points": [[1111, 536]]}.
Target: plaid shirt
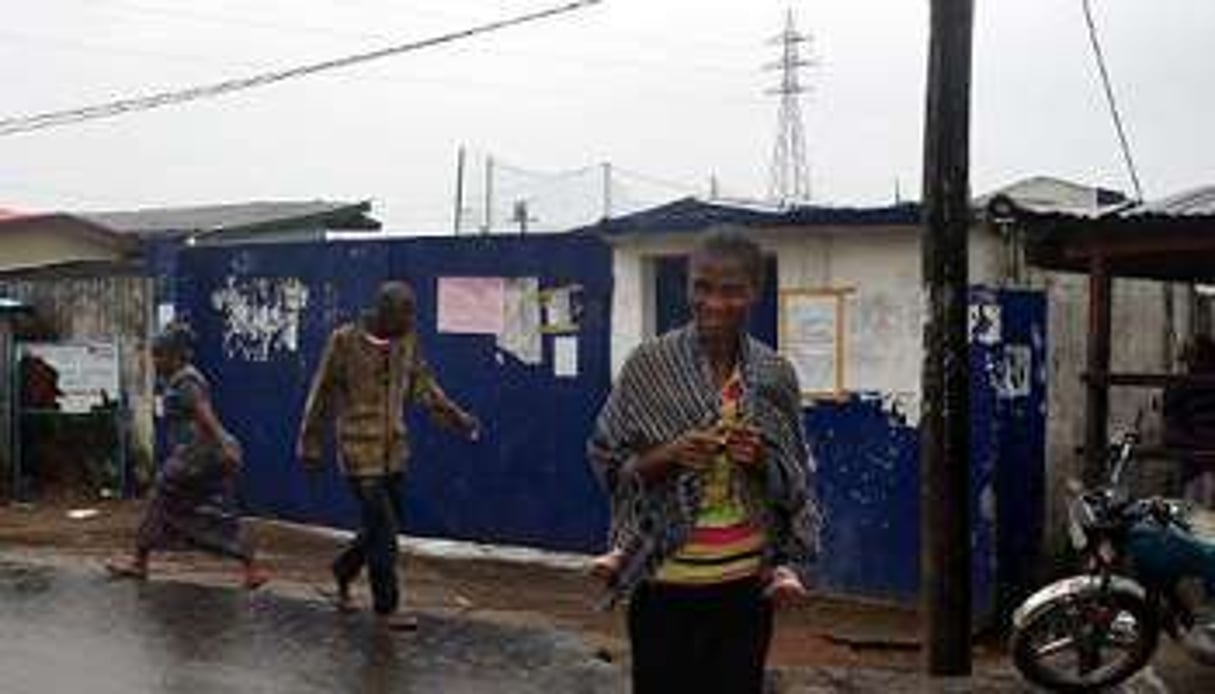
{"points": [[666, 389], [367, 387]]}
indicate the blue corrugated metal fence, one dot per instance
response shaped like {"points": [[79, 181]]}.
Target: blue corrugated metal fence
{"points": [[525, 482]]}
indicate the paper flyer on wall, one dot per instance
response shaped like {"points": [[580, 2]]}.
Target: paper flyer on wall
{"points": [[471, 305], [86, 374], [561, 309], [520, 336], [565, 356], [810, 340], [166, 313]]}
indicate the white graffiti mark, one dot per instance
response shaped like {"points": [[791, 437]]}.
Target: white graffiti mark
{"points": [[261, 315]]}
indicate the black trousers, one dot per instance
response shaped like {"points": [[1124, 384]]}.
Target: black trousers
{"points": [[375, 545], [693, 639]]}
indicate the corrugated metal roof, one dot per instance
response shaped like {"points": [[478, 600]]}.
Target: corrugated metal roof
{"points": [[58, 222], [1168, 239], [1048, 194], [205, 219], [7, 215], [693, 214], [1190, 203]]}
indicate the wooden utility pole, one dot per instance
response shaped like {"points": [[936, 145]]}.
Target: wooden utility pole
{"points": [[945, 589], [1096, 384]]}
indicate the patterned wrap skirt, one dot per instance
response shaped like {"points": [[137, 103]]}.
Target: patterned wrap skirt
{"points": [[192, 508]]}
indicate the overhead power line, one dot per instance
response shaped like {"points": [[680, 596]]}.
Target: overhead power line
{"points": [[20, 124], [1095, 39]]}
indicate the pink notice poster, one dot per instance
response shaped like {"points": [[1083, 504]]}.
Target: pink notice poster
{"points": [[472, 305]]}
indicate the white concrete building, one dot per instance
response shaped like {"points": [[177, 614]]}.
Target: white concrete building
{"points": [[871, 258]]}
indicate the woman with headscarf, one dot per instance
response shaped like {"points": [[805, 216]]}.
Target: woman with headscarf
{"points": [[191, 504]]}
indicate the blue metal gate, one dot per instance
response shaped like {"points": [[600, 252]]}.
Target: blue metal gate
{"points": [[525, 482], [868, 467]]}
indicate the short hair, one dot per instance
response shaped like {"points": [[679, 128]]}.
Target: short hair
{"points": [[394, 292], [176, 338], [732, 242]]}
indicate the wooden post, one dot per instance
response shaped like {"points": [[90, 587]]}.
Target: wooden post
{"points": [[459, 211], [8, 410], [945, 564], [607, 189], [1097, 393], [489, 196]]}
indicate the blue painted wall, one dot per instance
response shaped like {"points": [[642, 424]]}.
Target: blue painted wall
{"points": [[525, 482], [1019, 390], [868, 486], [868, 469]]}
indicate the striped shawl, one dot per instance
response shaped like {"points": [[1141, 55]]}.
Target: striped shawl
{"points": [[666, 389]]}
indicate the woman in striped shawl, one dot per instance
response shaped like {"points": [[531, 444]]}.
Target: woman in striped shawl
{"points": [[701, 451]]}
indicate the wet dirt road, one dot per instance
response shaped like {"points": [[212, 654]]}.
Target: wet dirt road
{"points": [[70, 631]]}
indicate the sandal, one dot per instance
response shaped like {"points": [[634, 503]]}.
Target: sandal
{"points": [[397, 621], [255, 578]]}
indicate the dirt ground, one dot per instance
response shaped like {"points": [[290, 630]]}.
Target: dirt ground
{"points": [[824, 631]]}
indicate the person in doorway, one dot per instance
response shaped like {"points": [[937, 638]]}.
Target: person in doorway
{"points": [[701, 450], [370, 373], [1189, 422], [192, 501]]}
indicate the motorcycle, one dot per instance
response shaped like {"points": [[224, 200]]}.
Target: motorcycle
{"points": [[1147, 570]]}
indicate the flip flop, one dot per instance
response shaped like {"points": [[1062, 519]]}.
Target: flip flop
{"points": [[604, 568], [397, 621], [256, 579]]}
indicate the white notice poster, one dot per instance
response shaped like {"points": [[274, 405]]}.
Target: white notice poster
{"points": [[810, 334], [86, 373], [165, 313], [565, 356]]}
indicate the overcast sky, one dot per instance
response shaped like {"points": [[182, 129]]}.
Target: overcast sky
{"points": [[668, 89]]}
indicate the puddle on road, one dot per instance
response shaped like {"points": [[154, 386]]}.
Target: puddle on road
{"points": [[72, 631], [23, 579]]}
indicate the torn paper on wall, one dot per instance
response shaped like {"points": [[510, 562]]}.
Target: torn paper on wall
{"points": [[261, 315], [1016, 377], [520, 336], [986, 323], [166, 313], [561, 309]]}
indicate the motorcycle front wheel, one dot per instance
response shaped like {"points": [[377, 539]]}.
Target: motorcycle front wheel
{"points": [[1086, 642]]}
